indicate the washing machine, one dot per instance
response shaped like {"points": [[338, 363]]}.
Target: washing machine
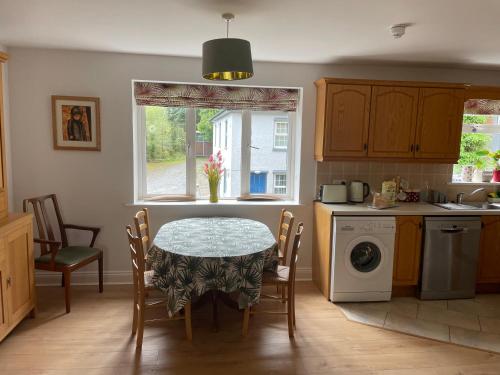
{"points": [[362, 258]]}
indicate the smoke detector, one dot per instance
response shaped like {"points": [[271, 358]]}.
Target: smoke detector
{"points": [[399, 30]]}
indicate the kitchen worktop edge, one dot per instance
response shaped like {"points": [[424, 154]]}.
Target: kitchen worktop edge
{"points": [[402, 209]]}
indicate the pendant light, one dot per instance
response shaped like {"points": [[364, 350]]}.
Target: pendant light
{"points": [[227, 59]]}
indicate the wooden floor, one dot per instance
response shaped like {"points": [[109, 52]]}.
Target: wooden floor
{"points": [[94, 339]]}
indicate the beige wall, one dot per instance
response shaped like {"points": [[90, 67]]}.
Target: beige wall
{"points": [[95, 186]]}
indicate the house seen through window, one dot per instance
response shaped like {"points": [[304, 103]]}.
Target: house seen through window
{"points": [[177, 141], [480, 141]]}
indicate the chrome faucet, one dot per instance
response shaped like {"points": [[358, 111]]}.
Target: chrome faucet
{"points": [[460, 196]]}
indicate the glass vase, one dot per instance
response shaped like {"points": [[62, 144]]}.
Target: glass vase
{"points": [[213, 185]]}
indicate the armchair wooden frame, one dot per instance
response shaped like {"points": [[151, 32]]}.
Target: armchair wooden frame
{"points": [[50, 245], [141, 304], [285, 278]]}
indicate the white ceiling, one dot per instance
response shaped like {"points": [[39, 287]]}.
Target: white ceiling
{"points": [[450, 32]]}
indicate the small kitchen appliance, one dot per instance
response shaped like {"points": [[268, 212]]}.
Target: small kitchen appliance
{"points": [[358, 191], [334, 193]]}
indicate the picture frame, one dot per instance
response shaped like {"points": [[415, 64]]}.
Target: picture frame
{"points": [[76, 123]]}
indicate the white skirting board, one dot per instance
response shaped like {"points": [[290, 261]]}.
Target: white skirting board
{"points": [[43, 278]]}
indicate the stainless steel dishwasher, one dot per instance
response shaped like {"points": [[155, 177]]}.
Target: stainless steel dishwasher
{"points": [[451, 249]]}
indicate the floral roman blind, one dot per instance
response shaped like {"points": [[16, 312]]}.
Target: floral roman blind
{"points": [[482, 107], [215, 96]]}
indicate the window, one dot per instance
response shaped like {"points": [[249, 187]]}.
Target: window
{"points": [[280, 133], [225, 135], [280, 183], [480, 134], [173, 143], [165, 136], [264, 155]]}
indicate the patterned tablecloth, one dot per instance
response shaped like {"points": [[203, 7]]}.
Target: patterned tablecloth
{"points": [[191, 256]]}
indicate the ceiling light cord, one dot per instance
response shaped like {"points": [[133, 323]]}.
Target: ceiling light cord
{"points": [[228, 17]]}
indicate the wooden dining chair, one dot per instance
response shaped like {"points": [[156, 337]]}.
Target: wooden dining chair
{"points": [[141, 221], [142, 284], [58, 255], [283, 239], [284, 234], [285, 278]]}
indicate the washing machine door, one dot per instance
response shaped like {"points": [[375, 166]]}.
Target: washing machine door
{"points": [[365, 256]]}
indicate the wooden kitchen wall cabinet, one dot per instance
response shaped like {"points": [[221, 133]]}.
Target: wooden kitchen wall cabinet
{"points": [[407, 250], [489, 253], [393, 121], [388, 120], [347, 109], [17, 277], [440, 117]]}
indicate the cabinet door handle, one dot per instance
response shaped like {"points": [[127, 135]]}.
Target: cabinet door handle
{"points": [[9, 281], [417, 148], [365, 146], [412, 147]]}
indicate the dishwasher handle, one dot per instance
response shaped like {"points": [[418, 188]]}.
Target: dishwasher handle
{"points": [[454, 229]]}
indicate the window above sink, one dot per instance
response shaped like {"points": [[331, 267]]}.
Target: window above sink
{"points": [[480, 136]]}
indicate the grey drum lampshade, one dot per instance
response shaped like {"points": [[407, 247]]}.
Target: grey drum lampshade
{"points": [[227, 59]]}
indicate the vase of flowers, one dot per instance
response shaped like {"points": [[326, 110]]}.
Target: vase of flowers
{"points": [[493, 157], [214, 171]]}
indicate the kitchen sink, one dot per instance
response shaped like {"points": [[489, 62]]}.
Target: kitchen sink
{"points": [[469, 206]]}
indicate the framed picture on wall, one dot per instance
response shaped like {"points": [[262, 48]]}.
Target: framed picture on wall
{"points": [[76, 123]]}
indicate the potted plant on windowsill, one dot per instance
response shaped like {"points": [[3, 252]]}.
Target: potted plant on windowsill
{"points": [[492, 157]]}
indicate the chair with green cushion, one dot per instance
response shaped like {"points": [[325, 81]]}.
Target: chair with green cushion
{"points": [[57, 255]]}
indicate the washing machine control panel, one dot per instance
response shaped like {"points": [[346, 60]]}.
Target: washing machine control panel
{"points": [[368, 227]]}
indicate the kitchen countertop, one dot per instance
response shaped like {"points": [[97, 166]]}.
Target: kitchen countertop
{"points": [[402, 209]]}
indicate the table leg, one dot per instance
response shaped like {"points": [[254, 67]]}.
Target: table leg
{"points": [[215, 315]]}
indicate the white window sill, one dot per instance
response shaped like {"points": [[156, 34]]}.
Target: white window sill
{"points": [[223, 202], [474, 183]]}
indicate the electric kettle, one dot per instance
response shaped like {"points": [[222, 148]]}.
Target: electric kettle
{"points": [[358, 191]]}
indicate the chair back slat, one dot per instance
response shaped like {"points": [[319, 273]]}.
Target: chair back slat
{"points": [[137, 259], [295, 253], [284, 233], [43, 220], [46, 221], [142, 230]]}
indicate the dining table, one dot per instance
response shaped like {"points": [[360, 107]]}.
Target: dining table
{"points": [[202, 258]]}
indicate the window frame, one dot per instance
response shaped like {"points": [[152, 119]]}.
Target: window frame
{"points": [[280, 173], [276, 121], [140, 162]]}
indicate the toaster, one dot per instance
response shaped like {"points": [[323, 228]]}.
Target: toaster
{"points": [[333, 193]]}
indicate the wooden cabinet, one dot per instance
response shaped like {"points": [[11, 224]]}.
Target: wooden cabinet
{"points": [[345, 113], [17, 275], [439, 123], [388, 120], [489, 253], [17, 278], [4, 323], [407, 250], [393, 121], [3, 175], [20, 261], [322, 248]]}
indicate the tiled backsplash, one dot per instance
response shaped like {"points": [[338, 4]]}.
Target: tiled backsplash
{"points": [[374, 173]]}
